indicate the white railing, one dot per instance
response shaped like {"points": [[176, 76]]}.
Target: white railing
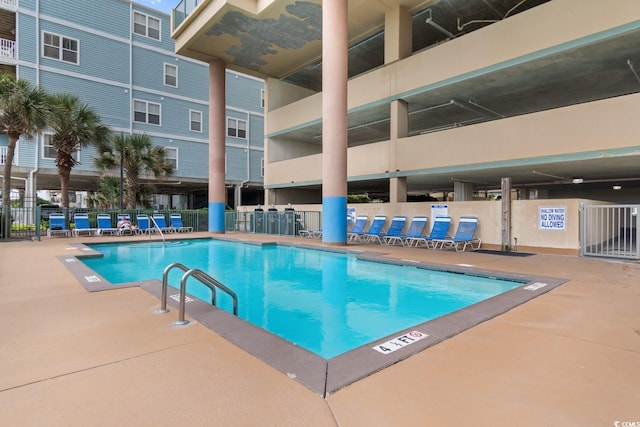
{"points": [[3, 154], [8, 3], [7, 47]]}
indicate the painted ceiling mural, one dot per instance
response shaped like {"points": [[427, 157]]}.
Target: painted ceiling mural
{"points": [[260, 37]]}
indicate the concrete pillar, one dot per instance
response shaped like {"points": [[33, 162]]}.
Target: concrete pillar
{"points": [[397, 34], [217, 137], [334, 123], [399, 128], [398, 190], [505, 185], [462, 191]]}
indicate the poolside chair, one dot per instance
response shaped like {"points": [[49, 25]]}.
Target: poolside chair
{"points": [[81, 221], [176, 223], [358, 228], [125, 226], [58, 225], [374, 230], [394, 231], [439, 231], [105, 226], [144, 224], [416, 228], [464, 235], [161, 223]]}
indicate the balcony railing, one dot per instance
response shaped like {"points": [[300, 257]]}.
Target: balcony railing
{"points": [[7, 48], [182, 10], [3, 154], [8, 4]]}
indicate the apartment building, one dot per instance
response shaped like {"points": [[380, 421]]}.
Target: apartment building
{"points": [[453, 99], [118, 56]]}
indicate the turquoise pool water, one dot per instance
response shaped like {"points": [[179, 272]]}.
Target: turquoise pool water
{"points": [[325, 302]]}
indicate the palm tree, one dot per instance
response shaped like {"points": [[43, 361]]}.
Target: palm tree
{"points": [[23, 111], [108, 193], [75, 125], [137, 156]]}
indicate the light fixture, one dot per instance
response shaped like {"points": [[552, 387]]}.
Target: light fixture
{"points": [[577, 180], [617, 187]]}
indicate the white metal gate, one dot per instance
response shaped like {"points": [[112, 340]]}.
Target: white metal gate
{"points": [[610, 231]]}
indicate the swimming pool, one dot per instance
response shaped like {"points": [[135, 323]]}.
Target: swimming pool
{"points": [[326, 302]]}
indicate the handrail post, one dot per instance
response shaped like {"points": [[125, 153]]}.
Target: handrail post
{"points": [[200, 275], [157, 228], [165, 285], [183, 293]]}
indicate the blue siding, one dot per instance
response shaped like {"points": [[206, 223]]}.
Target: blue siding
{"points": [[256, 131], [27, 73], [112, 72], [148, 71], [256, 165], [193, 79], [110, 102], [92, 60], [165, 42], [26, 151], [244, 92], [28, 4], [27, 47], [106, 16], [236, 164], [192, 157]]}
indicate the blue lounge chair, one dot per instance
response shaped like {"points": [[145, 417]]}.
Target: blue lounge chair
{"points": [[161, 222], [416, 228], [82, 226], [358, 228], [144, 224], [439, 231], [125, 226], [58, 225], [374, 230], [176, 223], [105, 226], [464, 235], [395, 230]]}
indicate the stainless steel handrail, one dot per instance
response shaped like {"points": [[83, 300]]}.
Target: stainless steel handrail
{"points": [[151, 219], [201, 276]]}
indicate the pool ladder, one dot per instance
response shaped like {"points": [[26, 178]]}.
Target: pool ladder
{"points": [[201, 276]]}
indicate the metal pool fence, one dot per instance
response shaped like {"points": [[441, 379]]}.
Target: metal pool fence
{"points": [[31, 223], [610, 231], [287, 222]]}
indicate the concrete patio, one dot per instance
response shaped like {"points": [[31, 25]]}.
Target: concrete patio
{"points": [[69, 357]]}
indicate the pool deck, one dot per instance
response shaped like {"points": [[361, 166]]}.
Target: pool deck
{"points": [[69, 357]]}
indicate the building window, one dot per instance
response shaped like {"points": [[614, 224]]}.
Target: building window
{"points": [[195, 120], [146, 25], [262, 167], [171, 157], [237, 128], [60, 48], [262, 98], [146, 112], [50, 152], [170, 75]]}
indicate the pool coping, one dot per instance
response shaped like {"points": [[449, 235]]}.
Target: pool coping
{"points": [[326, 376]]}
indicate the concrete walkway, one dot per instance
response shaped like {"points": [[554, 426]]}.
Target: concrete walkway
{"points": [[68, 357]]}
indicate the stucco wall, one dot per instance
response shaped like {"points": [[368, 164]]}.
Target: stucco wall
{"points": [[525, 216]]}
